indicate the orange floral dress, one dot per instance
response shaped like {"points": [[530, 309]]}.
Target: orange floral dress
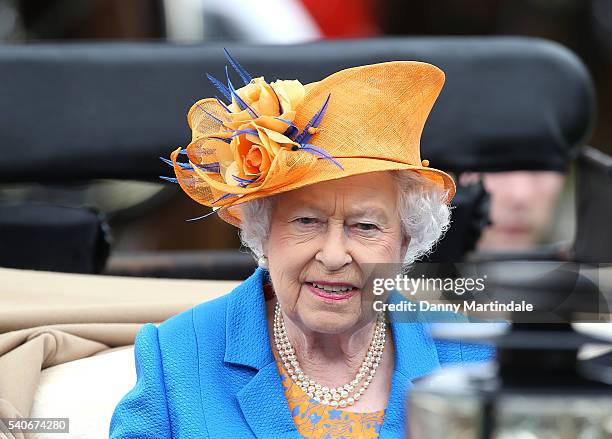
{"points": [[318, 421]]}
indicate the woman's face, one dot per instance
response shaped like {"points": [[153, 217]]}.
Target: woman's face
{"points": [[321, 237]]}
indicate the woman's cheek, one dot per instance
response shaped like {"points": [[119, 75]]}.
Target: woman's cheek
{"points": [[383, 246], [294, 234], [288, 288]]}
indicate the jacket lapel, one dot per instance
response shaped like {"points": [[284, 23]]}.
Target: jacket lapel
{"points": [[262, 400], [265, 407], [247, 341]]}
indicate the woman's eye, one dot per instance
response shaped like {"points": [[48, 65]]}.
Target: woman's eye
{"points": [[306, 221], [366, 227]]}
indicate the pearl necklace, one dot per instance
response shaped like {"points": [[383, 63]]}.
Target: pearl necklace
{"points": [[335, 396]]}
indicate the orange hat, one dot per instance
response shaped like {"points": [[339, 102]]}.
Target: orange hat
{"points": [[279, 136]]}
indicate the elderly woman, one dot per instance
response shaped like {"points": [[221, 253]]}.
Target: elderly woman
{"points": [[323, 181]]}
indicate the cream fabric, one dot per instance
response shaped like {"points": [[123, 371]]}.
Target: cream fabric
{"points": [[51, 319], [86, 390], [36, 298]]}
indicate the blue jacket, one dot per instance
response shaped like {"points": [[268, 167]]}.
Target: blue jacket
{"points": [[210, 373]]}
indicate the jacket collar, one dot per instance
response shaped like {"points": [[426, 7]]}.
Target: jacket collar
{"points": [[262, 399], [246, 331]]}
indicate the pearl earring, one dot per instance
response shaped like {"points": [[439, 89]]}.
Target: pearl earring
{"points": [[262, 262]]}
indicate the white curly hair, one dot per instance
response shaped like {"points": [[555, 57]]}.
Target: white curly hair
{"points": [[424, 215]]}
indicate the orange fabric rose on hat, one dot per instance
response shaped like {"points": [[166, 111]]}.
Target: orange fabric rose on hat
{"points": [[235, 146], [260, 114], [253, 149], [266, 103]]}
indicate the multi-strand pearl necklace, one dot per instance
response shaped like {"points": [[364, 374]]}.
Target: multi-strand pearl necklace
{"points": [[341, 396]]}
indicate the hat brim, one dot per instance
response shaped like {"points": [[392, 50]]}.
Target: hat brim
{"points": [[352, 166]]}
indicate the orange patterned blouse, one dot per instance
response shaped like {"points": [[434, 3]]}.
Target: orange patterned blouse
{"points": [[318, 421]]}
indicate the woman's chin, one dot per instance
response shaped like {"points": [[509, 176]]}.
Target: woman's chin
{"points": [[329, 326], [331, 321]]}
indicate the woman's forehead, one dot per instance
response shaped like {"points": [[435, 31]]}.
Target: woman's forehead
{"points": [[353, 195], [354, 185]]}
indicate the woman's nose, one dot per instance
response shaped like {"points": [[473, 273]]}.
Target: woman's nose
{"points": [[334, 253]]}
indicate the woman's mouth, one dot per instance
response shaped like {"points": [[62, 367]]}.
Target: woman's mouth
{"points": [[332, 290]]}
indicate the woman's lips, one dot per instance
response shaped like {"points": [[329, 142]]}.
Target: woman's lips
{"points": [[335, 295]]}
